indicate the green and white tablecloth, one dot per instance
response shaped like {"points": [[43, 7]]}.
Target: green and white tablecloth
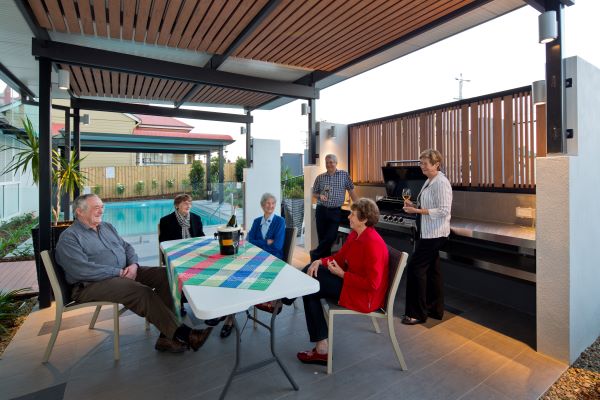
{"points": [[197, 261]]}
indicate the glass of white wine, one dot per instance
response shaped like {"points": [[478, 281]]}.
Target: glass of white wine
{"points": [[406, 194]]}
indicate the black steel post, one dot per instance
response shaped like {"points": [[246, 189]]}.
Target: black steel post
{"points": [[555, 78], [312, 133], [45, 178], [221, 175], [208, 182], [76, 141], [248, 142], [65, 201]]}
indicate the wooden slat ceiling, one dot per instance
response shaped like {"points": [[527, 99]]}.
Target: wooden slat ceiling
{"points": [[315, 35]]}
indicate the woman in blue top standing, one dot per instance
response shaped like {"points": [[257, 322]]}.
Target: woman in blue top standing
{"points": [[268, 231]]}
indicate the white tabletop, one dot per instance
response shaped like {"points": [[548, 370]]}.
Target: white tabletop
{"points": [[211, 302]]}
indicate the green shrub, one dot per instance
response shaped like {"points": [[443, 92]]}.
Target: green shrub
{"points": [[139, 188], [97, 189], [170, 183], [154, 184], [10, 308], [15, 231], [185, 185], [120, 189], [197, 177], [240, 164]]}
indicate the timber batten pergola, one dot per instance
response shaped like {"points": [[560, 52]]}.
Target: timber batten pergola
{"points": [[249, 54]]}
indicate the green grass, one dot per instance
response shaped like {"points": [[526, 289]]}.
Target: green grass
{"points": [[16, 231]]}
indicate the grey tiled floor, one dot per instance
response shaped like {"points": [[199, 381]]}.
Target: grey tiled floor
{"points": [[461, 357]]}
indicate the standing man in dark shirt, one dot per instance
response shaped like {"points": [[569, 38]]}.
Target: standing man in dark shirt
{"points": [[102, 266], [329, 190]]}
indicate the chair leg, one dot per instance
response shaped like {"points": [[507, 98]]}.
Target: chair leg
{"points": [[55, 329], [95, 317], [394, 340], [375, 324], [116, 333], [330, 343]]}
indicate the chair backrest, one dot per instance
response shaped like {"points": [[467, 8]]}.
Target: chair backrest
{"points": [[396, 264], [56, 275], [289, 244]]}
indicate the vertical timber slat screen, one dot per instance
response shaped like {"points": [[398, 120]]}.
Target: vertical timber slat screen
{"points": [[488, 142]]}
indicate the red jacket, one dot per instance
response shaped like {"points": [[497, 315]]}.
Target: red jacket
{"points": [[364, 259]]}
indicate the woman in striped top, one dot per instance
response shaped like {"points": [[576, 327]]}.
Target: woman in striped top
{"points": [[424, 286]]}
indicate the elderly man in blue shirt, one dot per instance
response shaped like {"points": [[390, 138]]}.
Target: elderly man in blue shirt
{"points": [[329, 190], [101, 266]]}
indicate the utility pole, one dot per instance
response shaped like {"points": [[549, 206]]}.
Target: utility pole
{"points": [[460, 86]]}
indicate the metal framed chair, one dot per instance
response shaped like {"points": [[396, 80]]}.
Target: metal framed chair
{"points": [[65, 304], [396, 263]]}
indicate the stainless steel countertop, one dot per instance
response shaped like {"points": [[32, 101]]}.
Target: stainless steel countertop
{"points": [[515, 235]]}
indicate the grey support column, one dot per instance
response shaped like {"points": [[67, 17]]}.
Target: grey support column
{"points": [[45, 178], [208, 183]]}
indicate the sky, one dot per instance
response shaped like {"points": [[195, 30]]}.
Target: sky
{"points": [[499, 55]]}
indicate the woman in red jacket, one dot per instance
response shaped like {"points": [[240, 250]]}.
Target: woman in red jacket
{"points": [[356, 277]]}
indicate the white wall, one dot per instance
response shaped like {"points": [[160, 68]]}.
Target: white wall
{"points": [[337, 145], [568, 229], [264, 176]]}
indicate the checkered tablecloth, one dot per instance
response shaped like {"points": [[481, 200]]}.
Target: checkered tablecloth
{"points": [[197, 261]]}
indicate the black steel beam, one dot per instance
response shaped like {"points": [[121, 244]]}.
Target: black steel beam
{"points": [[555, 77], [113, 61], [45, 178], [27, 14], [11, 80], [114, 106], [218, 59], [539, 5]]}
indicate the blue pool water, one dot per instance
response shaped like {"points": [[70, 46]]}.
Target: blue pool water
{"points": [[142, 217]]}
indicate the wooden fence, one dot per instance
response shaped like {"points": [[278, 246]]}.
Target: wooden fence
{"points": [[490, 141], [157, 179]]}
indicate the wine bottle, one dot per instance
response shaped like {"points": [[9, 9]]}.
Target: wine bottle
{"points": [[232, 222]]}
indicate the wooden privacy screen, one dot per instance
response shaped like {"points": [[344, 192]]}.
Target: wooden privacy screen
{"points": [[486, 142]]}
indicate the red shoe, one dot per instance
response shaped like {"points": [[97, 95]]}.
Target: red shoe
{"points": [[312, 357], [268, 307]]}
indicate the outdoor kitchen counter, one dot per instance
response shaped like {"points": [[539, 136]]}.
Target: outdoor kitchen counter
{"points": [[498, 232]]}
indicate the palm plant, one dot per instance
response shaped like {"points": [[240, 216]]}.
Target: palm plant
{"points": [[66, 175], [10, 308]]}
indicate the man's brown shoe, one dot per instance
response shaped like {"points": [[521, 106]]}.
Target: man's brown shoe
{"points": [[170, 345], [198, 337]]}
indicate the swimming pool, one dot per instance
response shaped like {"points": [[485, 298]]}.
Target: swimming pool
{"points": [[142, 217]]}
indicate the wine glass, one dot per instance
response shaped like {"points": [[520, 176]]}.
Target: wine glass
{"points": [[325, 193], [406, 194]]}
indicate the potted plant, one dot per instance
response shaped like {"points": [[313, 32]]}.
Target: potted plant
{"points": [[293, 200], [139, 188], [66, 177]]}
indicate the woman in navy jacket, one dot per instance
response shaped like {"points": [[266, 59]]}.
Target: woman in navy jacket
{"points": [[181, 223], [268, 231]]}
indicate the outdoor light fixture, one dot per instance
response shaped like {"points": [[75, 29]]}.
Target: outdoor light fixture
{"points": [[538, 92], [85, 119], [63, 79], [242, 130], [548, 27], [305, 109], [331, 132]]}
